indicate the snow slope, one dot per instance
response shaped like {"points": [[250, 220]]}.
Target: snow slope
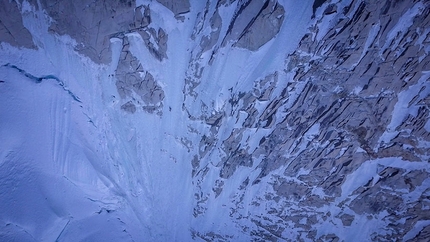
{"points": [[320, 133]]}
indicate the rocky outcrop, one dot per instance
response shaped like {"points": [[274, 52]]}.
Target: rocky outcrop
{"points": [[134, 83], [12, 29], [329, 144], [91, 23], [177, 7], [252, 29], [359, 94], [97, 22]]}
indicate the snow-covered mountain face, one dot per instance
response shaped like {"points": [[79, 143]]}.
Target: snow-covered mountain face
{"points": [[214, 120]]}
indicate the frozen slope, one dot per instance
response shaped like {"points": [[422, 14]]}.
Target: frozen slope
{"points": [[56, 178], [215, 121]]}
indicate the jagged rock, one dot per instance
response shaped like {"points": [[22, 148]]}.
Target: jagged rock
{"points": [[291, 190], [255, 24], [316, 5], [347, 219], [347, 79], [132, 79], [208, 42], [159, 49], [129, 107], [142, 17], [332, 140], [332, 8], [263, 28]]}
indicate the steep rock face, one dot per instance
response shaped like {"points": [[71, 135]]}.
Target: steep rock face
{"points": [[356, 98], [177, 7], [136, 84], [245, 120], [254, 23], [12, 29], [90, 24]]}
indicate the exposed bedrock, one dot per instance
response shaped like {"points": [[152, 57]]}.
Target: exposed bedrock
{"points": [[92, 24], [137, 85], [359, 96], [12, 29], [177, 7], [330, 141]]}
